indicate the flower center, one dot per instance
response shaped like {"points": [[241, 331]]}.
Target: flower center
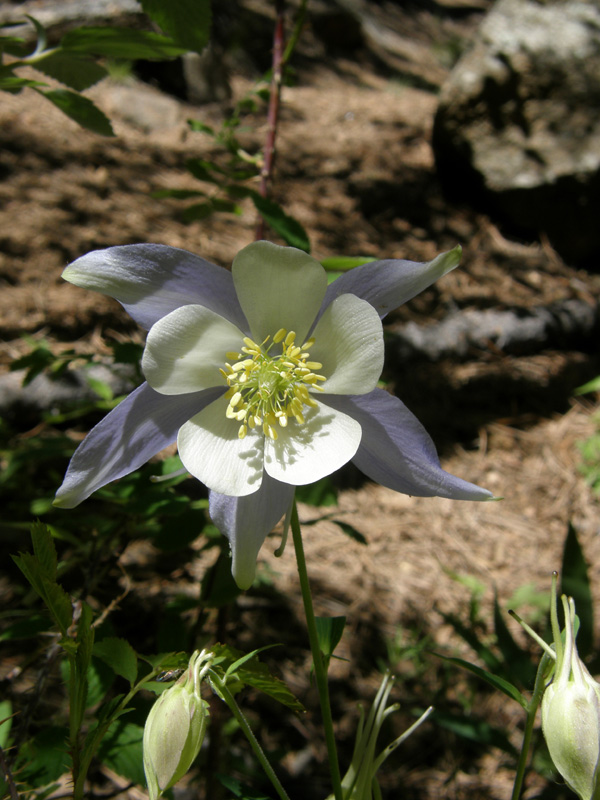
{"points": [[267, 388]]}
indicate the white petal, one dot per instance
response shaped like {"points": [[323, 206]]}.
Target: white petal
{"points": [[185, 349], [211, 450], [278, 287], [305, 453], [349, 344]]}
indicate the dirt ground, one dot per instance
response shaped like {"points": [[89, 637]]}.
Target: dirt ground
{"points": [[355, 166]]}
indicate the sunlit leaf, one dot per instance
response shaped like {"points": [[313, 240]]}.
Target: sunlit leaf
{"points": [[80, 109], [187, 21], [119, 655], [125, 43]]}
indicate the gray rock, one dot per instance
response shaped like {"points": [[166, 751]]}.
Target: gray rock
{"points": [[518, 123], [517, 331]]}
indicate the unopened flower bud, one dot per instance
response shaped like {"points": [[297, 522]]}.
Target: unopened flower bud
{"points": [[571, 715], [175, 728]]}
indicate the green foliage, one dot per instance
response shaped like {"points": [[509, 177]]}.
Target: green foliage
{"points": [[187, 21], [329, 633], [590, 454], [239, 669], [74, 61]]}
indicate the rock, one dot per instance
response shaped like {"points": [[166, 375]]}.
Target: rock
{"points": [[517, 130], [565, 324]]}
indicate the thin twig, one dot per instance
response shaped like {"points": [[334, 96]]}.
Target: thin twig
{"points": [[273, 112], [12, 786]]}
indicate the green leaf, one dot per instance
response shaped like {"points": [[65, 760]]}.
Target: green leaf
{"points": [[101, 388], [40, 573], [590, 386], [187, 21], [493, 680], [46, 758], [80, 109], [78, 72], [329, 632], [345, 263], [575, 583], [256, 674], [121, 750], [290, 230], [119, 655], [44, 549], [121, 43], [203, 210], [200, 127], [203, 170], [351, 531], [14, 84], [5, 722]]}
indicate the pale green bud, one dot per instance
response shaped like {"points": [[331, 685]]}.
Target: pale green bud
{"points": [[571, 715], [175, 728]]}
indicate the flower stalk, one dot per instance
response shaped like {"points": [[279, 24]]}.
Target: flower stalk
{"points": [[318, 659]]}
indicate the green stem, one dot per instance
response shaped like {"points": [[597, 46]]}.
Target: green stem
{"points": [[225, 694], [538, 691], [318, 660]]}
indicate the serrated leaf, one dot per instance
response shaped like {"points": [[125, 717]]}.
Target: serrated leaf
{"points": [[256, 674], [187, 21], [121, 43], [575, 583], [44, 549], [80, 109], [75, 71], [119, 655], [493, 680], [55, 598], [290, 230]]}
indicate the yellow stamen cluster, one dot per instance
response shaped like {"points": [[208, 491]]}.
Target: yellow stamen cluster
{"points": [[268, 389]]}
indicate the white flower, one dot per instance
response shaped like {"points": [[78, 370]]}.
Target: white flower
{"points": [[267, 378]]}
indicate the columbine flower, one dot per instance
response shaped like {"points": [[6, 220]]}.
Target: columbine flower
{"points": [[571, 713], [264, 375], [175, 728]]}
